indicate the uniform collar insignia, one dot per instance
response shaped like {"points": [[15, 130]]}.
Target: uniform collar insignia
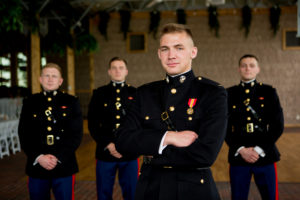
{"points": [[118, 84], [180, 79], [167, 79], [51, 93], [248, 83]]}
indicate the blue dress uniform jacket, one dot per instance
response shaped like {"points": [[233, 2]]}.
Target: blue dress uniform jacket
{"points": [[107, 110], [177, 173], [262, 128], [51, 123]]}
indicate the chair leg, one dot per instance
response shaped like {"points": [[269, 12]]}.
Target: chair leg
{"points": [[4, 150]]}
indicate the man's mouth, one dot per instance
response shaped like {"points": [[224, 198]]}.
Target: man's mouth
{"points": [[172, 64]]}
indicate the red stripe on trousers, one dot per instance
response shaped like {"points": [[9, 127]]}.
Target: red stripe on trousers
{"points": [[276, 182], [73, 186]]}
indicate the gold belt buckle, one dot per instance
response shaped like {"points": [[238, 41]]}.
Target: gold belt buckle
{"points": [[50, 139], [164, 116], [250, 128]]}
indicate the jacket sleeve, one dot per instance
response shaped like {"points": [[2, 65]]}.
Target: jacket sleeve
{"points": [[98, 130], [29, 143], [134, 138], [275, 123], [74, 129], [234, 141], [211, 134]]}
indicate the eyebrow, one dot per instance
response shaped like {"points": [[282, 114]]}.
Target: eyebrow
{"points": [[177, 45]]}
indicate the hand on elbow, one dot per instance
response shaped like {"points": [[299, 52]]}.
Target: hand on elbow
{"points": [[180, 139]]}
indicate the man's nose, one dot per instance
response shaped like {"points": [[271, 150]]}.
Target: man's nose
{"points": [[171, 54]]}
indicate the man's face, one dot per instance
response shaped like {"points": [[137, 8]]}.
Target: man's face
{"points": [[117, 71], [176, 52], [50, 79], [248, 69]]}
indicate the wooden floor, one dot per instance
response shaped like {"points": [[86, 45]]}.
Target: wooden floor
{"points": [[288, 168], [13, 179]]}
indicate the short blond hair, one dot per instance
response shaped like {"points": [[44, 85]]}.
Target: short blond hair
{"points": [[52, 65], [176, 28]]}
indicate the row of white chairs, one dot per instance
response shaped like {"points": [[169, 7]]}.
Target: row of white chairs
{"points": [[9, 138], [10, 108]]}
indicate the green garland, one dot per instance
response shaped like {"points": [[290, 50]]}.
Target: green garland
{"points": [[213, 21], [154, 22], [125, 22], [104, 19], [181, 16], [11, 16], [275, 12], [85, 43], [246, 19]]}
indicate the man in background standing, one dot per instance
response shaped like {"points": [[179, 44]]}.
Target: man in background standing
{"points": [[107, 111], [255, 124], [50, 131]]}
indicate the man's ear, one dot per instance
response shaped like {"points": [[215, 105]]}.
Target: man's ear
{"points": [[61, 81], [194, 52], [158, 53]]}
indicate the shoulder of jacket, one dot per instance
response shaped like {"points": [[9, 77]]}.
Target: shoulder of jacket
{"points": [[67, 96], [264, 86], [207, 82], [232, 88], [32, 97], [130, 87], [101, 88], [151, 85]]}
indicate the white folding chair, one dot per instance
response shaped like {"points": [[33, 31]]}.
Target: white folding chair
{"points": [[14, 137], [4, 145]]}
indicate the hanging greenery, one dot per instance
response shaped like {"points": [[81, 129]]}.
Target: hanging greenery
{"points": [[275, 12], [125, 21], [11, 16], [85, 43], [181, 16], [154, 22], [55, 42], [246, 19], [104, 19], [213, 21]]}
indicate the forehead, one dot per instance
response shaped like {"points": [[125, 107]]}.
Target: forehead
{"points": [[175, 39], [50, 70], [249, 60], [117, 63]]}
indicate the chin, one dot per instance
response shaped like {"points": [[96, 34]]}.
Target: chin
{"points": [[172, 72]]}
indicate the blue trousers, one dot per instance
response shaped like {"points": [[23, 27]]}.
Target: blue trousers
{"points": [[105, 178], [265, 178], [63, 188]]}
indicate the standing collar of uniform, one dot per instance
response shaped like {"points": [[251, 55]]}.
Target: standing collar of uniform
{"points": [[50, 93], [250, 83], [118, 84], [179, 79]]}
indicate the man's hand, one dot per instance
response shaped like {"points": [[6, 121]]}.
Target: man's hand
{"points": [[112, 149], [249, 154], [180, 139], [48, 161]]}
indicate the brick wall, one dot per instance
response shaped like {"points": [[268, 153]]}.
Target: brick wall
{"points": [[217, 57]]}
